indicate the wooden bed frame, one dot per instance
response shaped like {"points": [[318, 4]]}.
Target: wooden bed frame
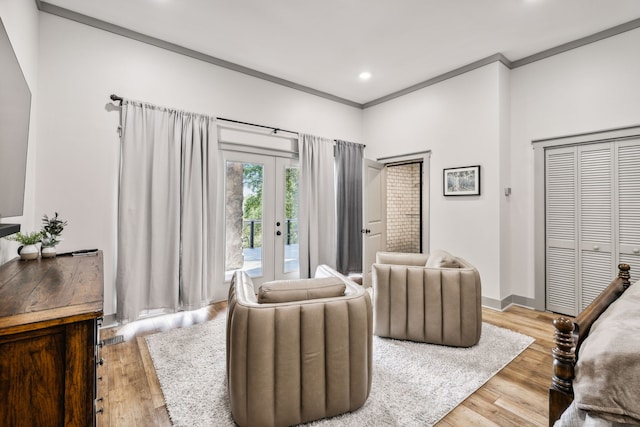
{"points": [[568, 337]]}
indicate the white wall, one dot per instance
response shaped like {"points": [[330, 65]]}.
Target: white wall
{"points": [[78, 152], [459, 121], [20, 19], [591, 88], [489, 117], [506, 221]]}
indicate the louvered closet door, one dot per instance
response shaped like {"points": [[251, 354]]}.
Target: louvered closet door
{"points": [[595, 220], [561, 219], [628, 165]]}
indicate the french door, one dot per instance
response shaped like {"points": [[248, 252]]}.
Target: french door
{"points": [[261, 216]]}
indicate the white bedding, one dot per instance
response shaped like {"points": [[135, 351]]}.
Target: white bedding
{"points": [[607, 383], [576, 417]]}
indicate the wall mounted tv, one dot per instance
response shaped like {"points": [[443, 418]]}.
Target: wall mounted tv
{"points": [[15, 108]]}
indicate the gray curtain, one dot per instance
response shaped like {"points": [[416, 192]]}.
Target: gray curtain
{"points": [[317, 204], [166, 210], [349, 157]]}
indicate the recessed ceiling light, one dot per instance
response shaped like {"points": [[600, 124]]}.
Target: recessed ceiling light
{"points": [[365, 75]]}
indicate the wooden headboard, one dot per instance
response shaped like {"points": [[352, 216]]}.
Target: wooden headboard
{"points": [[568, 337]]}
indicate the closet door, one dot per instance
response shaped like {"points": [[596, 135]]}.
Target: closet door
{"points": [[595, 229], [628, 180], [561, 220]]}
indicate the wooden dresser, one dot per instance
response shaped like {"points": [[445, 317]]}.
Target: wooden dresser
{"points": [[50, 312]]}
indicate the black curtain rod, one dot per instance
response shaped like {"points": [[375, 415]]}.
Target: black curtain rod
{"points": [[275, 130], [116, 98], [119, 99]]}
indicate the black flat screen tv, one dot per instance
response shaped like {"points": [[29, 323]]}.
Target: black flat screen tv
{"points": [[15, 109]]}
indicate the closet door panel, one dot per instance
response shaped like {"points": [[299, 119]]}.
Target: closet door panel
{"points": [[595, 230], [595, 274], [628, 180], [560, 195], [561, 281]]}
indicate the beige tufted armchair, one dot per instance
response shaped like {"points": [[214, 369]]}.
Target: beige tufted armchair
{"points": [[433, 298], [298, 351]]}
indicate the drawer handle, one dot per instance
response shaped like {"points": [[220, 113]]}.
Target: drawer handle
{"points": [[100, 362], [596, 247], [636, 251], [100, 411]]}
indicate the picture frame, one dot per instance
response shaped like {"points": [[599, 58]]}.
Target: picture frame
{"points": [[461, 181]]}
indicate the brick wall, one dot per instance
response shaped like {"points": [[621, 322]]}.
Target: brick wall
{"points": [[403, 208]]}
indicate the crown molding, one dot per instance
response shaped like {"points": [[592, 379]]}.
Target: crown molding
{"points": [[610, 32], [153, 41], [498, 57], [43, 6]]}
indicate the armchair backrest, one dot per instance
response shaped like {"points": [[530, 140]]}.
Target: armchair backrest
{"points": [[401, 258]]}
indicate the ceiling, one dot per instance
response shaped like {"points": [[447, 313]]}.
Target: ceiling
{"points": [[326, 44]]}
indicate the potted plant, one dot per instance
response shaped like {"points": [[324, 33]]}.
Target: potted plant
{"points": [[28, 249], [51, 231]]}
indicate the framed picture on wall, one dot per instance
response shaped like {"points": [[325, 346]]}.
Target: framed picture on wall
{"points": [[463, 181]]}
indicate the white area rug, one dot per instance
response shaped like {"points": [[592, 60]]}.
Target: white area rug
{"points": [[413, 383]]}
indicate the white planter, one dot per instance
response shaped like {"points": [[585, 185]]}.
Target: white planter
{"points": [[48, 251], [29, 252]]}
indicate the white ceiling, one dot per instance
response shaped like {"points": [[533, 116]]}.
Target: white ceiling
{"points": [[325, 44]]}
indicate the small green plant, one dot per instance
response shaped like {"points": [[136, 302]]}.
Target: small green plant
{"points": [[26, 238], [52, 229]]}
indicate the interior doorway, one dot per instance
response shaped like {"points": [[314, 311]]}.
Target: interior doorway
{"points": [[404, 207], [375, 207]]}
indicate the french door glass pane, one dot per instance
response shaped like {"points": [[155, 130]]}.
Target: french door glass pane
{"points": [[243, 217], [291, 255]]}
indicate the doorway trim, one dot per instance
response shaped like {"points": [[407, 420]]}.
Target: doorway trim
{"points": [[424, 157], [245, 139]]}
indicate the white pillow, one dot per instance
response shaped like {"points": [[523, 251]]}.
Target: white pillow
{"points": [[441, 259]]}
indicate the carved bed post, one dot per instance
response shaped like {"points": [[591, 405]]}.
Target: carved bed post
{"points": [[563, 354], [569, 335], [624, 275], [564, 357]]}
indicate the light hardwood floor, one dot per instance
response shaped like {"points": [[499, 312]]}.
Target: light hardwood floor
{"points": [[517, 396]]}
